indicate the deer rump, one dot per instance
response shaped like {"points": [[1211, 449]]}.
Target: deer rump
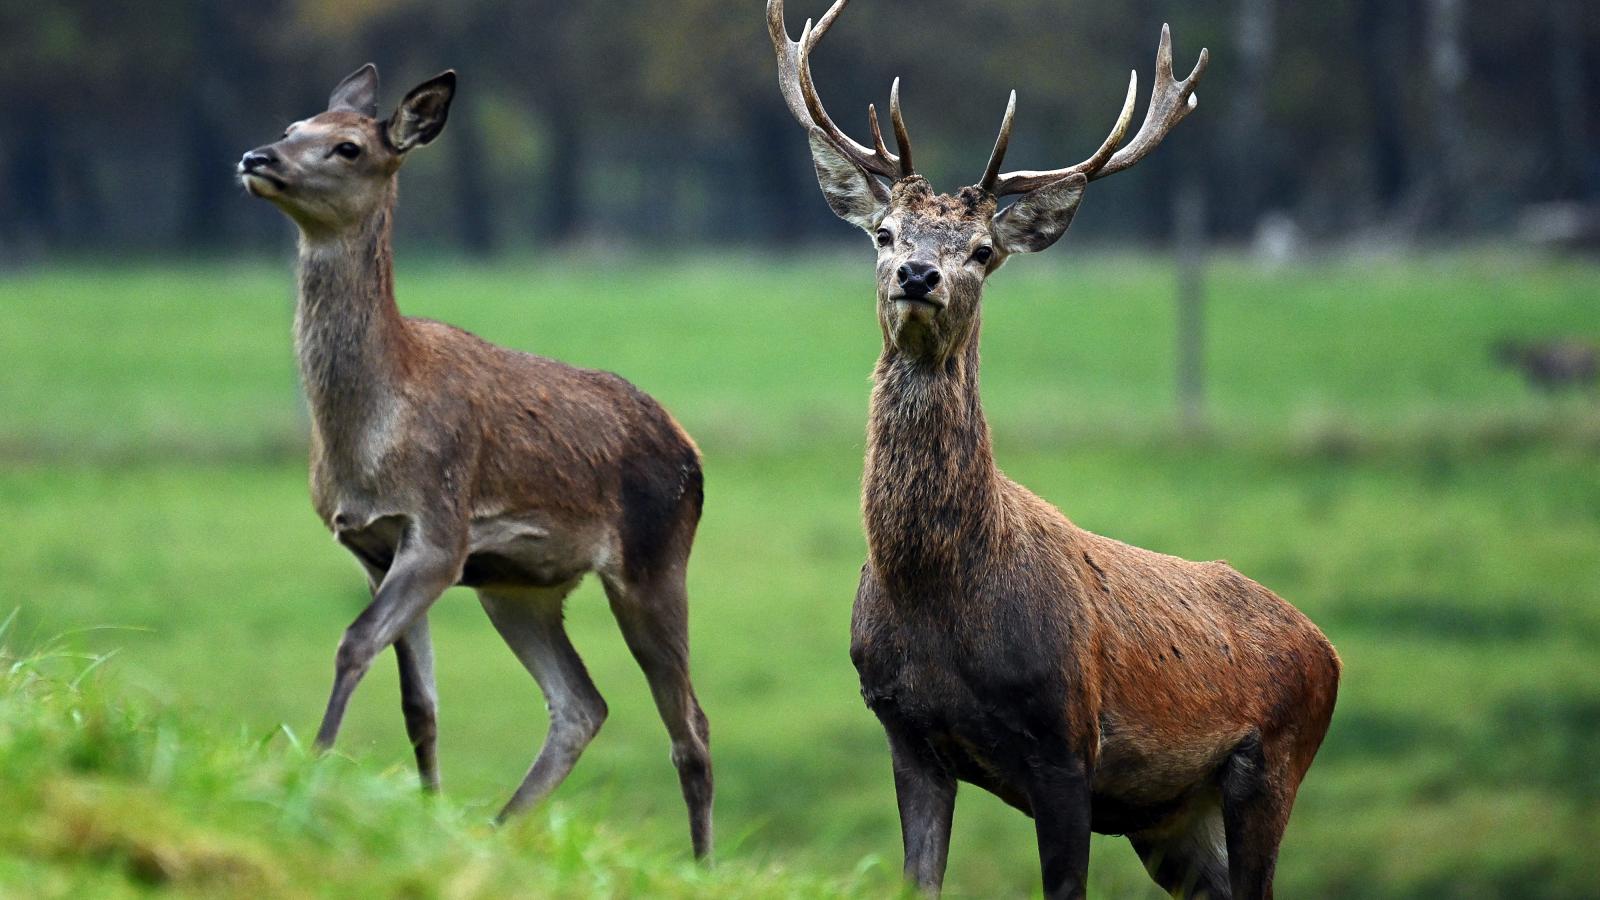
{"points": [[1155, 669]]}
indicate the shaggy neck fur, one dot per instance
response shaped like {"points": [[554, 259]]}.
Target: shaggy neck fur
{"points": [[349, 334], [930, 493]]}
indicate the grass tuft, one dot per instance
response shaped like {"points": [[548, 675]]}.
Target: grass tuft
{"points": [[110, 794]]}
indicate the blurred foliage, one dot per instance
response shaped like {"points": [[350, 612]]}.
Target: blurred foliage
{"points": [[136, 361], [661, 120]]}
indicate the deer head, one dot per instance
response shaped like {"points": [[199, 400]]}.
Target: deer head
{"points": [[333, 171], [935, 251]]}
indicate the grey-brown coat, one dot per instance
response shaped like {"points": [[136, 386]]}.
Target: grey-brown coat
{"points": [[440, 459]]}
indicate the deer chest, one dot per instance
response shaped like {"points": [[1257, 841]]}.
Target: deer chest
{"points": [[977, 696]]}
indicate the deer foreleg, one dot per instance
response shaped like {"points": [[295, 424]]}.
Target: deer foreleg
{"points": [[926, 794], [419, 699], [1058, 791], [420, 573]]}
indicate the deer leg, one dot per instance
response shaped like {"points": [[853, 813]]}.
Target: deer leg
{"points": [[530, 621], [1256, 796], [419, 574], [1058, 792], [418, 698], [654, 619], [926, 795], [1190, 859]]}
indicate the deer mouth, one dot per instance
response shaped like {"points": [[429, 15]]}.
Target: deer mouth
{"points": [[906, 302], [262, 184]]}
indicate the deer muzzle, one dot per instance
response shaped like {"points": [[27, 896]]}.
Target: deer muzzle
{"points": [[255, 172]]}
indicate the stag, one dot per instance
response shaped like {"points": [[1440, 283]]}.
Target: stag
{"points": [[440, 459], [1093, 685]]}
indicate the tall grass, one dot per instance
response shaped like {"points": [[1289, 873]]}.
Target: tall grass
{"points": [[109, 794]]}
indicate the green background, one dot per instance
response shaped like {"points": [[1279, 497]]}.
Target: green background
{"points": [[1367, 459]]}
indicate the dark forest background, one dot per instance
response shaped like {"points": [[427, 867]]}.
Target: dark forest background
{"points": [[650, 122]]}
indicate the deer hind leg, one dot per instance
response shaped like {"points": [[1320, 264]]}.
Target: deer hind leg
{"points": [[530, 621], [1257, 793], [1190, 861], [653, 614], [419, 699]]}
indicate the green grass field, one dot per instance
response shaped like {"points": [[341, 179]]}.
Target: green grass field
{"points": [[1368, 461]]}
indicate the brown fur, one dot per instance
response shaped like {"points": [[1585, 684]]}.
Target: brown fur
{"points": [[992, 634], [438, 459], [1091, 684]]}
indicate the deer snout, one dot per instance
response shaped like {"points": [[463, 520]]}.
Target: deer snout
{"points": [[255, 172], [917, 279], [259, 158]]}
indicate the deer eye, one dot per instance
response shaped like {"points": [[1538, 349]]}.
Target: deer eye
{"points": [[982, 255], [885, 237], [347, 150]]}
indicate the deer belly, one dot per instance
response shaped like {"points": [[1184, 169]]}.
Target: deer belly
{"points": [[1143, 766], [529, 551]]}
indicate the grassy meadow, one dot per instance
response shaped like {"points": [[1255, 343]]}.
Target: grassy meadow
{"points": [[1366, 459]]}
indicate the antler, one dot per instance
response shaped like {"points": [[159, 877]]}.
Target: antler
{"points": [[1170, 101], [794, 79]]}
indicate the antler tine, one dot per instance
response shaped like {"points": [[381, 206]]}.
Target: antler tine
{"points": [[788, 53], [808, 93], [1020, 182], [991, 172], [1170, 101], [826, 22], [1118, 131], [902, 138], [877, 133], [800, 93], [1164, 54]]}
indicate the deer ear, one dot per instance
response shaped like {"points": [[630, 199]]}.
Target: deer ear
{"points": [[853, 195], [1041, 217], [421, 115], [358, 92]]}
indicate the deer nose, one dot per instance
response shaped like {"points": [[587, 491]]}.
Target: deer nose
{"points": [[257, 159], [918, 279]]}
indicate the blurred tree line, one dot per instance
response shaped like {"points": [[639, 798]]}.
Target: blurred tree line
{"points": [[661, 121]]}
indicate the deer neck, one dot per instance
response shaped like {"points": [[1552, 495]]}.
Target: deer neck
{"points": [[929, 495], [349, 335]]}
